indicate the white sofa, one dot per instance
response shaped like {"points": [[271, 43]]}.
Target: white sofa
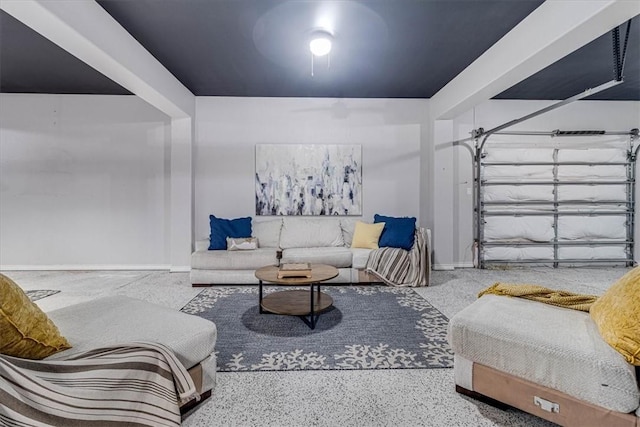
{"points": [[545, 360], [301, 239], [117, 319]]}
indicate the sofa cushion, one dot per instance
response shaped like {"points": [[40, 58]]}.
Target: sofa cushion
{"points": [[551, 346], [118, 319], [222, 228], [267, 232], [25, 330], [360, 257], [310, 233], [233, 260], [202, 244], [348, 226], [617, 315], [398, 232], [337, 257]]}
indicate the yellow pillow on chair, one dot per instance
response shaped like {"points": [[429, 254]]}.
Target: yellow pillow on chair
{"points": [[25, 330], [617, 314]]}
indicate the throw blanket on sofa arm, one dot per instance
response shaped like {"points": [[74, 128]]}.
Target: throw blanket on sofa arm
{"points": [[399, 267], [138, 383], [541, 294]]}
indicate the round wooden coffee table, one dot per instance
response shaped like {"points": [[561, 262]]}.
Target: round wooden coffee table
{"points": [[305, 304]]}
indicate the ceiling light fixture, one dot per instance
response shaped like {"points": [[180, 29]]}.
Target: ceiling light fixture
{"points": [[320, 45]]}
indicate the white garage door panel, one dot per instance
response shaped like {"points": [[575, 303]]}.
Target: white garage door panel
{"points": [[595, 155], [518, 253], [592, 228], [515, 193], [592, 193], [508, 155], [592, 173], [591, 252], [518, 173], [526, 228]]}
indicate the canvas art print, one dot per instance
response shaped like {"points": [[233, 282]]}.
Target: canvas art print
{"points": [[308, 179]]}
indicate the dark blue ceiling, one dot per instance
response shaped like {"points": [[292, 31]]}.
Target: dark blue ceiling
{"points": [[382, 49], [586, 68], [30, 63]]}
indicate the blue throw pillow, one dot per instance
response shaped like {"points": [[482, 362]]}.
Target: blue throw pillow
{"points": [[397, 232], [223, 228]]}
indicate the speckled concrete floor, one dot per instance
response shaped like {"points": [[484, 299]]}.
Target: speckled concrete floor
{"points": [[330, 398]]}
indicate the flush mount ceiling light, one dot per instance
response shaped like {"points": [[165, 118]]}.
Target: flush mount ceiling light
{"points": [[320, 43]]}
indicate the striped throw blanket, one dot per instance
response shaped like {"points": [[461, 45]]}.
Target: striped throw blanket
{"points": [[138, 384], [399, 267], [538, 293]]}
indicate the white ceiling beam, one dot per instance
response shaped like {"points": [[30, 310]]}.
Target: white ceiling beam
{"points": [[84, 29], [549, 33]]}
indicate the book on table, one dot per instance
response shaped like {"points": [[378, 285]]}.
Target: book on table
{"points": [[301, 269]]}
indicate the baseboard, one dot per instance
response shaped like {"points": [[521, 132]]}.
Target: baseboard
{"points": [[443, 266], [106, 267], [464, 265], [448, 267], [180, 269]]}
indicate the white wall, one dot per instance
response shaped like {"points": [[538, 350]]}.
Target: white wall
{"points": [[594, 115], [391, 132], [84, 182]]}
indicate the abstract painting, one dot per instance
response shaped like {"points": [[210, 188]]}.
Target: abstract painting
{"points": [[308, 179]]}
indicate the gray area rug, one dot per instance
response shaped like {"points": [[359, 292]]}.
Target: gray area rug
{"points": [[368, 327], [37, 294]]}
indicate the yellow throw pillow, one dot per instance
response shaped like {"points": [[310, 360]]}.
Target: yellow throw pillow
{"points": [[366, 236], [617, 314], [25, 330]]}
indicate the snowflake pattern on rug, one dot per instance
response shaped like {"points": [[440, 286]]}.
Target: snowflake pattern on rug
{"points": [[210, 296], [280, 361], [378, 357], [431, 351], [291, 360]]}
